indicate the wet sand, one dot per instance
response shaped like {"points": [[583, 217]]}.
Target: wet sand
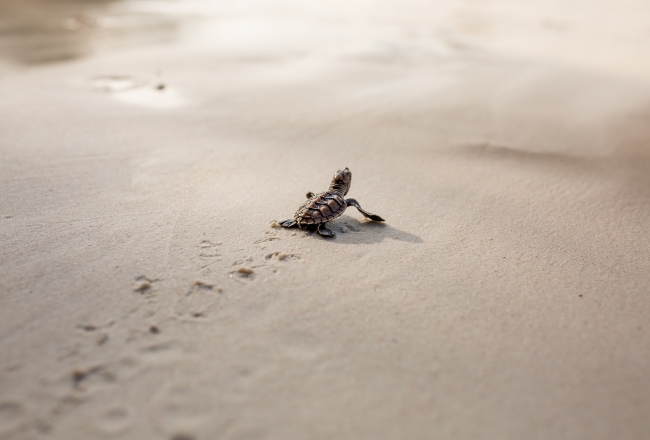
{"points": [[145, 295]]}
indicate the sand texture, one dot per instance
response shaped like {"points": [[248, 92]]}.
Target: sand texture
{"points": [[145, 148]]}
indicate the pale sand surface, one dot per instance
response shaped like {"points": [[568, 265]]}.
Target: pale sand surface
{"points": [[507, 296]]}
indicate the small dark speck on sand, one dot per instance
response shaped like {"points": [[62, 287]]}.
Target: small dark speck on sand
{"points": [[160, 86], [154, 330], [182, 437], [580, 295], [78, 376]]}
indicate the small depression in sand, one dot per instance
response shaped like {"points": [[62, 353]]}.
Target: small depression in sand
{"points": [[12, 414], [143, 92], [197, 301], [114, 420], [152, 97]]}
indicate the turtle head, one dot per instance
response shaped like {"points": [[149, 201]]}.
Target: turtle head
{"points": [[341, 181]]}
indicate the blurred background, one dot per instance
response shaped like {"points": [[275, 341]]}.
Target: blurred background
{"points": [[607, 35]]}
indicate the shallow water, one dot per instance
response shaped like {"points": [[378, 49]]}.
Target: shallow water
{"points": [[39, 31]]}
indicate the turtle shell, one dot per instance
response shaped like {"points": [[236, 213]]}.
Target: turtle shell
{"points": [[321, 208]]}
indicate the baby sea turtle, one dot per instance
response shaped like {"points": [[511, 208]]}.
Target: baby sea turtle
{"points": [[326, 206]]}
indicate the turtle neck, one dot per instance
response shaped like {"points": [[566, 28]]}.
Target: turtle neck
{"points": [[340, 188]]}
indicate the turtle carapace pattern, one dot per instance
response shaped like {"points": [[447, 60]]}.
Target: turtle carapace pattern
{"points": [[326, 206]]}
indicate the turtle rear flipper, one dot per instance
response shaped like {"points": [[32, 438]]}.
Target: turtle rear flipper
{"points": [[322, 230], [353, 202], [290, 223]]}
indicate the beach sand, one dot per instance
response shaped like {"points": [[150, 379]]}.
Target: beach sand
{"points": [[145, 148]]}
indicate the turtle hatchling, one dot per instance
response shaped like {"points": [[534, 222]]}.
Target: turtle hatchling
{"points": [[326, 206]]}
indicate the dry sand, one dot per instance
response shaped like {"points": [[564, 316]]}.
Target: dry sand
{"points": [[144, 295]]}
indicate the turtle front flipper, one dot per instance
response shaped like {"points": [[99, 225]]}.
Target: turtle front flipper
{"points": [[322, 230], [290, 223], [352, 202]]}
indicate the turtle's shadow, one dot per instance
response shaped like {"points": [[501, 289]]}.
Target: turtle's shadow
{"points": [[367, 232]]}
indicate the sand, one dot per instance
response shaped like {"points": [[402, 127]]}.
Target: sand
{"points": [[146, 147]]}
